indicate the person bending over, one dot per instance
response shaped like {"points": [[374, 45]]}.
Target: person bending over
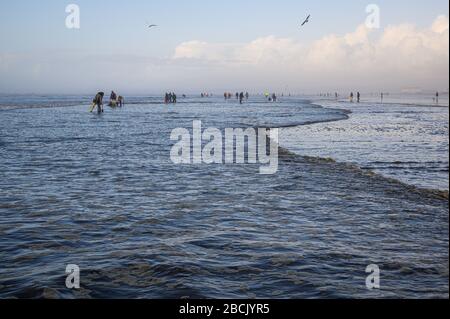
{"points": [[98, 101]]}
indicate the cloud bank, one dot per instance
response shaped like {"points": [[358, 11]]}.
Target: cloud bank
{"points": [[400, 56], [397, 57]]}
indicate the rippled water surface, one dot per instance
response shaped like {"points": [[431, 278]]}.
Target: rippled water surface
{"points": [[102, 193], [405, 142]]}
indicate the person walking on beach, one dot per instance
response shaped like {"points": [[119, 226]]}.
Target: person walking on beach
{"points": [[98, 101], [121, 101], [247, 96], [241, 97], [351, 97], [166, 98], [437, 97], [274, 97], [174, 98], [382, 97], [358, 96]]}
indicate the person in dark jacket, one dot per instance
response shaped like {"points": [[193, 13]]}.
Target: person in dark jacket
{"points": [[98, 101], [113, 99]]}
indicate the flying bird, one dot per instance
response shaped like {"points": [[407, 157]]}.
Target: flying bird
{"points": [[306, 21], [152, 26]]}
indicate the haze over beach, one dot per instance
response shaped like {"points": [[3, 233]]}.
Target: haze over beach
{"points": [[208, 150], [219, 46]]}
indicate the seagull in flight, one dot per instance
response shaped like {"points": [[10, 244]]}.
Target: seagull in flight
{"points": [[147, 22], [306, 21]]}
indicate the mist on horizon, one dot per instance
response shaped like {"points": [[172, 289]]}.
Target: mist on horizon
{"points": [[403, 54]]}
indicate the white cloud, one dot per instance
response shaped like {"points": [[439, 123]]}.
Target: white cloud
{"points": [[260, 51], [402, 55], [440, 25], [391, 59], [204, 50]]}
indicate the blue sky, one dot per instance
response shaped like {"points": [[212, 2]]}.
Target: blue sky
{"points": [[119, 27]]}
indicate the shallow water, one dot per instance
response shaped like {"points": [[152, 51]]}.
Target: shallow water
{"points": [[102, 193], [408, 143]]}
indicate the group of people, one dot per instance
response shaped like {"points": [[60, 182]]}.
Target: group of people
{"points": [[245, 96], [358, 97], [114, 101], [336, 95], [118, 100], [239, 96], [170, 98], [271, 98]]}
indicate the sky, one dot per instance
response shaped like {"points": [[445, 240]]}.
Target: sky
{"points": [[205, 45]]}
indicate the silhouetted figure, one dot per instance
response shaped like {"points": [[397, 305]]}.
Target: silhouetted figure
{"points": [[241, 97], [437, 97], [98, 101], [358, 97], [351, 97], [113, 99]]}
